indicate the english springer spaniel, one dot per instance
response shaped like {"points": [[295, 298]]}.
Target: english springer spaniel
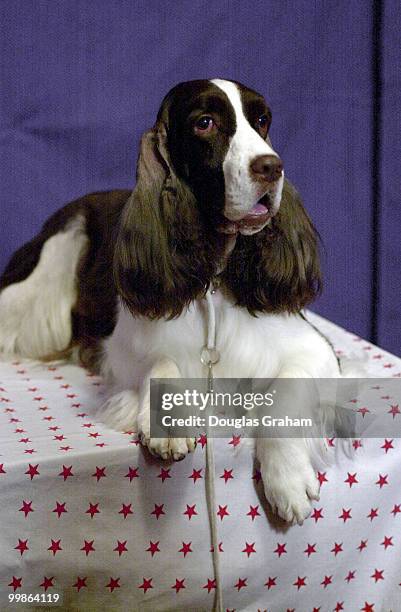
{"points": [[120, 277]]}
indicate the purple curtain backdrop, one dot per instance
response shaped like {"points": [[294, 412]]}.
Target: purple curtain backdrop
{"points": [[81, 80]]}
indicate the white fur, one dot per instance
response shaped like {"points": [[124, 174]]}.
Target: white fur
{"points": [[266, 346], [35, 314], [241, 190]]}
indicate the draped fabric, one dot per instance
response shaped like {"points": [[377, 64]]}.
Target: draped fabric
{"points": [[81, 80]]}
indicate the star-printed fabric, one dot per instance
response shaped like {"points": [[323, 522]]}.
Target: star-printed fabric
{"points": [[86, 513]]}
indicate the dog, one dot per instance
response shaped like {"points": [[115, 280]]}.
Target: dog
{"points": [[120, 277]]}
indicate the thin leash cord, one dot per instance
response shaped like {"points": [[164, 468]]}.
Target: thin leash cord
{"points": [[213, 357]]}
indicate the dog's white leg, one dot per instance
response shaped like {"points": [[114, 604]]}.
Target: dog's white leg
{"points": [[35, 314], [289, 479], [166, 448]]}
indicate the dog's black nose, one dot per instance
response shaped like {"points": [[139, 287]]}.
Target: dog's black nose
{"points": [[269, 167]]}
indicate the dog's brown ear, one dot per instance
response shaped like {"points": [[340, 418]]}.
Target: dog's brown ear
{"points": [[161, 261], [277, 269]]}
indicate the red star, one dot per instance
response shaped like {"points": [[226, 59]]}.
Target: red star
{"points": [[280, 550], [249, 549], [356, 444], [362, 545], [241, 583], [339, 606], [321, 476], [33, 470], [317, 514], [121, 547], [387, 542], [326, 581], [186, 548], [377, 575], [66, 472], [271, 582], [94, 434], [394, 410], [346, 515], [337, 548], [257, 476], [93, 509], [190, 511], [382, 480], [29, 451], [253, 512], [100, 473], [55, 547], [65, 448], [202, 440], [300, 582], [132, 473], [22, 546], [60, 508], [59, 438], [88, 547], [158, 511], [179, 584], [396, 509], [153, 548], [2, 471], [351, 479], [388, 445], [227, 475], [219, 547], [222, 512], [47, 582], [26, 508], [126, 510], [235, 440], [25, 440], [310, 549], [16, 583], [114, 583], [350, 576], [196, 474], [363, 411], [80, 583], [374, 512], [164, 474], [146, 584], [368, 607]]}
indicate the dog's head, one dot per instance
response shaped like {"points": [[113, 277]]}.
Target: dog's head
{"points": [[207, 169]]}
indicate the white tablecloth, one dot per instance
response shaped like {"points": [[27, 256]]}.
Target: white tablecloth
{"points": [[86, 513]]}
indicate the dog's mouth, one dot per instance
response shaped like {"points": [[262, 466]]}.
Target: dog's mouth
{"points": [[256, 219]]}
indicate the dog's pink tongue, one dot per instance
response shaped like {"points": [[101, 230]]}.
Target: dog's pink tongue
{"points": [[255, 215]]}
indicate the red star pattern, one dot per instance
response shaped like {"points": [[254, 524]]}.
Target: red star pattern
{"points": [[253, 512], [190, 511], [387, 445], [16, 583], [387, 542], [222, 512], [80, 583], [280, 550], [179, 584], [317, 514], [153, 548], [88, 547], [210, 585], [22, 546], [99, 473], [227, 475], [351, 479], [337, 548], [249, 549], [241, 583], [32, 471], [300, 582], [345, 515], [310, 549], [92, 510], [196, 475], [121, 547], [47, 583], [26, 508], [382, 480], [158, 511], [114, 583], [164, 474], [126, 509], [60, 508], [55, 546], [132, 473], [270, 583], [186, 548]]}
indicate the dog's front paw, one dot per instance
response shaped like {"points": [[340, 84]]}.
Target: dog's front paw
{"points": [[120, 411], [169, 448], [289, 480]]}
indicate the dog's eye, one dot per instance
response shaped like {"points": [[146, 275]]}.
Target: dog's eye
{"points": [[263, 123], [204, 124]]}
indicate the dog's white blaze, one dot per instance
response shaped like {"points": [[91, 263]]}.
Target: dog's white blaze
{"points": [[35, 314], [241, 190]]}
